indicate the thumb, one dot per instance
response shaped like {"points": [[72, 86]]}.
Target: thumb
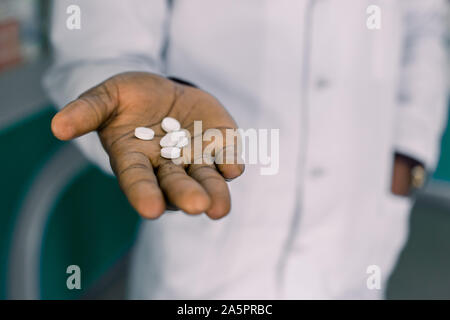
{"points": [[87, 113]]}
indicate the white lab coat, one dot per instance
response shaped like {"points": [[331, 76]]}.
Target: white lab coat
{"points": [[344, 98]]}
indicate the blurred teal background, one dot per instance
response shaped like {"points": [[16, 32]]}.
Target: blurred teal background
{"points": [[90, 225], [77, 228], [443, 169], [89, 222]]}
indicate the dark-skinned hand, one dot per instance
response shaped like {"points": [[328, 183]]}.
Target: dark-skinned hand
{"points": [[137, 99]]}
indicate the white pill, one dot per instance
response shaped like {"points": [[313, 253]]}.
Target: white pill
{"points": [[178, 134], [182, 142], [170, 124], [170, 152], [171, 139], [144, 133], [168, 141]]}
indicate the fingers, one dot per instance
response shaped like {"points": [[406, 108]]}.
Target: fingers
{"points": [[223, 146], [88, 113], [138, 181], [229, 163], [215, 186], [181, 190]]}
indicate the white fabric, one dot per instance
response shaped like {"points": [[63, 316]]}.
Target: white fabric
{"points": [[344, 98]]}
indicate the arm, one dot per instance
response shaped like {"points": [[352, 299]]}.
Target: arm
{"points": [[116, 36], [423, 94], [105, 99], [421, 114]]}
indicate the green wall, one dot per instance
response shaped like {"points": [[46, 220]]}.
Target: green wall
{"points": [[91, 224], [443, 169]]}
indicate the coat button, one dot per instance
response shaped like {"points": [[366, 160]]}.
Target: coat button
{"points": [[316, 172], [322, 83]]}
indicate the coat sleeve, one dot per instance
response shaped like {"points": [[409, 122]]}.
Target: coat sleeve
{"points": [[116, 36], [421, 113]]}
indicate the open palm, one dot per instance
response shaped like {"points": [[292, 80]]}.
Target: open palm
{"points": [[129, 100]]}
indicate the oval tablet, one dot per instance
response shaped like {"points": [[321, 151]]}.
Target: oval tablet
{"points": [[168, 141], [172, 138], [144, 133], [170, 152], [178, 134], [170, 124], [182, 142]]}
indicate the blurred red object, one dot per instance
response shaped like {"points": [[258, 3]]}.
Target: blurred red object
{"points": [[9, 44]]}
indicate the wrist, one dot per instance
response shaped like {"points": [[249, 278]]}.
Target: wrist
{"points": [[408, 176]]}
